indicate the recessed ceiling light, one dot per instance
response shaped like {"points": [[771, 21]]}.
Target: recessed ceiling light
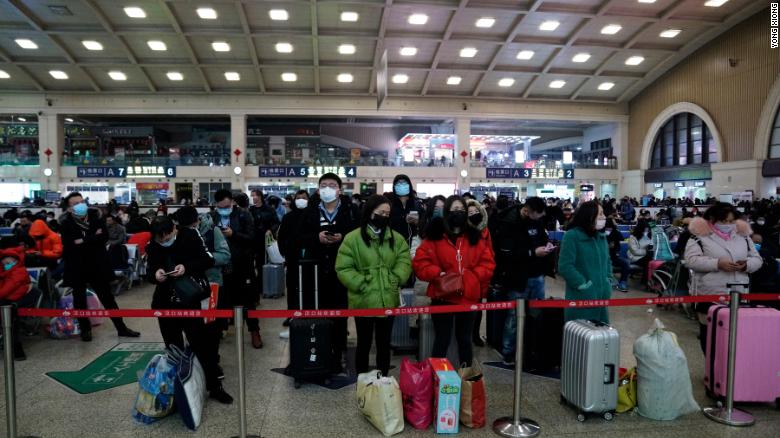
{"points": [[557, 84], [175, 76], [232, 76], [400, 79], [604, 86], [220, 46], [408, 51], [157, 46], [349, 16], [345, 78], [468, 52], [26, 43], [284, 47], [347, 49], [486, 22], [207, 13], [634, 60], [135, 12], [4, 75], [289, 77], [715, 3], [611, 29], [58, 74], [418, 19], [68, 119], [670, 33], [525, 54], [279, 15], [21, 119], [506, 82], [117, 75], [646, 1], [549, 25], [454, 80], [92, 45], [581, 57]]}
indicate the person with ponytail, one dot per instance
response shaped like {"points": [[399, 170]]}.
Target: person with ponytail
{"points": [[458, 262], [372, 263]]}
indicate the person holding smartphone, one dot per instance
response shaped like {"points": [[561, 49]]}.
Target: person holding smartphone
{"points": [[720, 252], [406, 208]]}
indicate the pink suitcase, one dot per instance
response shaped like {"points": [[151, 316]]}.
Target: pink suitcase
{"points": [[757, 367]]}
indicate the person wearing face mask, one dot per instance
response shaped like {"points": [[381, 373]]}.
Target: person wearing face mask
{"points": [[456, 248], [290, 247], [173, 253], [84, 238], [373, 263], [584, 262], [640, 247], [478, 218], [329, 218], [719, 252], [406, 208], [266, 224], [14, 289], [237, 226]]}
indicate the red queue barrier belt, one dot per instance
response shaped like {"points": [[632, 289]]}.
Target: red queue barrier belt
{"points": [[343, 313]]}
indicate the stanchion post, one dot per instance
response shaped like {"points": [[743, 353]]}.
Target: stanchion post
{"points": [[238, 321], [728, 415], [10, 378], [516, 426]]}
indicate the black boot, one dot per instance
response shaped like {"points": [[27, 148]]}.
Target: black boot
{"points": [[220, 395], [86, 329], [19, 351], [122, 330]]}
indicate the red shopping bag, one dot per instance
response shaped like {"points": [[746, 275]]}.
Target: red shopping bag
{"points": [[210, 303], [417, 390], [472, 396]]}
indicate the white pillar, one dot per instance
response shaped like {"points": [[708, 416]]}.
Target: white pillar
{"points": [[462, 143], [51, 137], [238, 143]]}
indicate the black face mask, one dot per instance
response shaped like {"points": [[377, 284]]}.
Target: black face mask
{"points": [[457, 219], [380, 222], [475, 219]]}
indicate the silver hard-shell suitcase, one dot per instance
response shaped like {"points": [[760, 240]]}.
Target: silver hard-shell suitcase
{"points": [[401, 339], [273, 281], [589, 367]]}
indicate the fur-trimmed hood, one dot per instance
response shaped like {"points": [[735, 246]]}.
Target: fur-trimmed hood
{"points": [[700, 227], [472, 202]]}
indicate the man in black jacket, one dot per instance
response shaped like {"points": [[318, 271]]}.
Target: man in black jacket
{"points": [[182, 252], [237, 226], [84, 238], [327, 219], [521, 259]]}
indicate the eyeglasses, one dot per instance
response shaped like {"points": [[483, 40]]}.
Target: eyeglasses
{"points": [[332, 186]]}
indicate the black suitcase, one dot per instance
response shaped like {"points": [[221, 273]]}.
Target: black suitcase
{"points": [[495, 321], [310, 341], [543, 339]]}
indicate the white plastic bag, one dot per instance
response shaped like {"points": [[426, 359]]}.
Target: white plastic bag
{"points": [[189, 387], [380, 401], [663, 382], [272, 249]]}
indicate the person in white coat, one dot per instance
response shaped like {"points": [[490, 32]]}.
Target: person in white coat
{"points": [[720, 252]]}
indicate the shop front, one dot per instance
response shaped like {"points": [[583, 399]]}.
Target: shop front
{"points": [[425, 150], [770, 173], [14, 192], [681, 182], [18, 144], [151, 193], [94, 193]]}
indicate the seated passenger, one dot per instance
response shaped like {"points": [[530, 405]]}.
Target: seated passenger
{"points": [[14, 285], [48, 246]]}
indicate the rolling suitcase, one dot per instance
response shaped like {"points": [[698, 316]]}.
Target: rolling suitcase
{"points": [[401, 339], [494, 324], [542, 339], [273, 281], [426, 342], [757, 366], [310, 341], [589, 381]]}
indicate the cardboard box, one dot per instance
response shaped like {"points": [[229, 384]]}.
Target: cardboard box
{"points": [[446, 400]]}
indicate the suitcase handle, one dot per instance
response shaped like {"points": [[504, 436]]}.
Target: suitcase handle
{"points": [[609, 373]]}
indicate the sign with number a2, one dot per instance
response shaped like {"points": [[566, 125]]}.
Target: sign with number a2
{"points": [[523, 173]]}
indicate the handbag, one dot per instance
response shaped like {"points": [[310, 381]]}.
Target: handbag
{"points": [[450, 285], [189, 291]]}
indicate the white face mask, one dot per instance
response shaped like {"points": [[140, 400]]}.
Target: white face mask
{"points": [[328, 194], [600, 224], [301, 203]]}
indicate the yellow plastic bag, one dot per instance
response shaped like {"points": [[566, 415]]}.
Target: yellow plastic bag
{"points": [[627, 391], [379, 400]]}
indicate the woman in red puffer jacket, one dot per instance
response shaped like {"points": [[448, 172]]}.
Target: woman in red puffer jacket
{"points": [[451, 246], [14, 279]]}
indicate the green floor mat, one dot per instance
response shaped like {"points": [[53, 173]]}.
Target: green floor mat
{"points": [[116, 367]]}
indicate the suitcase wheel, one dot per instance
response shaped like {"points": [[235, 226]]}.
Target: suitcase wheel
{"points": [[581, 417], [608, 416]]}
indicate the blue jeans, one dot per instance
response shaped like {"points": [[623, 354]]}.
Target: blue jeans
{"points": [[625, 267], [534, 290]]}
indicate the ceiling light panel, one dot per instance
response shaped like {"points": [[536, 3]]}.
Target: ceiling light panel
{"points": [[345, 78], [157, 46], [58, 74], [525, 55], [670, 33], [175, 76], [207, 13], [581, 57], [220, 46], [635, 60], [26, 43], [418, 19], [400, 78], [606, 86], [468, 52], [347, 49], [232, 76], [349, 16], [92, 45], [135, 12], [289, 77], [557, 84], [454, 80], [715, 3], [408, 51], [549, 25], [284, 47], [4, 75], [611, 29], [117, 75], [279, 14], [485, 22], [506, 82]]}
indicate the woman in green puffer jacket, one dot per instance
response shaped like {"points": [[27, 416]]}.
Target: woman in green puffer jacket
{"points": [[373, 263]]}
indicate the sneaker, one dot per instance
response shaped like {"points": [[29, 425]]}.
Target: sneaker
{"points": [[220, 373], [19, 352], [221, 396], [622, 286], [286, 322], [285, 334], [509, 359]]}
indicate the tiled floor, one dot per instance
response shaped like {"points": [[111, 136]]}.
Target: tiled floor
{"points": [[276, 409]]}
